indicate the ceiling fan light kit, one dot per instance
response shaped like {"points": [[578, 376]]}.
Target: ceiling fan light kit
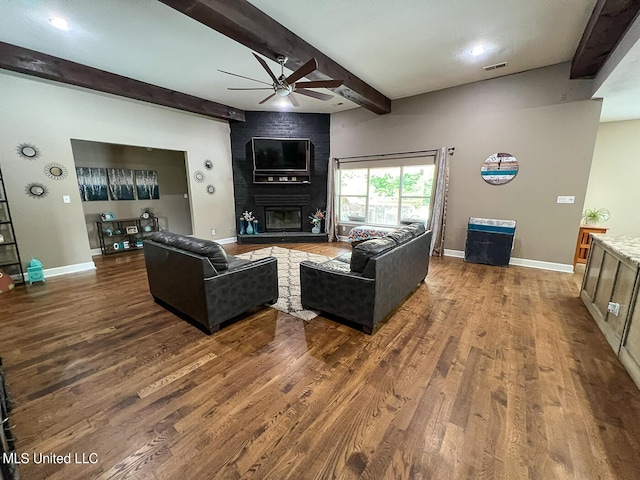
{"points": [[286, 86]]}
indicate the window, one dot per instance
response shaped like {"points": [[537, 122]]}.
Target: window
{"points": [[385, 195]]}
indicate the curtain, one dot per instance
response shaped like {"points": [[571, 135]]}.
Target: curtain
{"points": [[331, 223], [438, 207]]}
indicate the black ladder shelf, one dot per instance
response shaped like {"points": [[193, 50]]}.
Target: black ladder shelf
{"points": [[10, 262]]}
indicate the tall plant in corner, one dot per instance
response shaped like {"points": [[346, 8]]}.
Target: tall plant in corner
{"points": [[593, 216]]}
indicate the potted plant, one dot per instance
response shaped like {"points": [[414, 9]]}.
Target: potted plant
{"points": [[593, 216], [249, 218], [316, 220]]}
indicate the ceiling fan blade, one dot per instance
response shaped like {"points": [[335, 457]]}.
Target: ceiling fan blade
{"points": [[267, 99], [303, 71], [293, 100], [242, 76], [311, 93], [266, 67], [320, 84], [260, 88]]}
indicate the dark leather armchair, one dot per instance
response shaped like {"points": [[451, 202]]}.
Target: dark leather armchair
{"points": [[379, 274], [198, 279]]}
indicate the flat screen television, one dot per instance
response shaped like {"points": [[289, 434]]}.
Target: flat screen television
{"points": [[281, 155]]}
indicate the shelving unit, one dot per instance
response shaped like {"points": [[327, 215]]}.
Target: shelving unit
{"points": [[10, 262], [124, 234]]}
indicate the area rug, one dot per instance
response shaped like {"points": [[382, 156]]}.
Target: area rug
{"points": [[288, 277]]}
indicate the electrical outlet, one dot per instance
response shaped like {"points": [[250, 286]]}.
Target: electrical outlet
{"points": [[66, 199], [566, 199], [213, 231]]}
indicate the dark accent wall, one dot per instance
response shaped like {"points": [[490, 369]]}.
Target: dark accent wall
{"points": [[314, 126]]}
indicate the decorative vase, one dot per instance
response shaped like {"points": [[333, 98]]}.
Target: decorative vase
{"points": [[255, 227], [249, 228], [315, 229], [242, 227]]}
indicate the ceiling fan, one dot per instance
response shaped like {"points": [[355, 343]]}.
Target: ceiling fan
{"points": [[286, 86]]}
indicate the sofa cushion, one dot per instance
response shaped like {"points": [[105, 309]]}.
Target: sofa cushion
{"points": [[205, 248], [401, 235], [345, 258], [167, 238], [337, 266], [415, 228], [364, 251]]}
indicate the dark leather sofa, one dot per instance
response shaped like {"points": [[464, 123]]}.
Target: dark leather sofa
{"points": [[365, 285], [198, 279]]}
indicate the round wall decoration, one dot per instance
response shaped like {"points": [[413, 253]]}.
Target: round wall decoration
{"points": [[28, 151], [56, 171], [198, 176], [208, 164], [36, 190], [211, 189], [499, 168]]}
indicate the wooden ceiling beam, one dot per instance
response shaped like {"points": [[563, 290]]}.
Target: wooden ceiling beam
{"points": [[30, 62], [251, 27], [608, 23]]}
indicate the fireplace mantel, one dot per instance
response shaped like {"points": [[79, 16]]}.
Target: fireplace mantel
{"points": [[271, 199]]}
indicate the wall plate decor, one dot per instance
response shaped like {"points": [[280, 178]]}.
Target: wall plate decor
{"points": [[36, 190], [499, 168], [198, 176], [28, 151], [56, 171], [208, 164], [211, 189]]}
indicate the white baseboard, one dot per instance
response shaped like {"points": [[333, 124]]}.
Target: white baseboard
{"points": [[522, 262], [57, 271], [342, 238], [224, 241], [95, 251], [453, 253]]}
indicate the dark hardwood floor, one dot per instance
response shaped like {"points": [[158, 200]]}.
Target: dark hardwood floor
{"points": [[484, 372]]}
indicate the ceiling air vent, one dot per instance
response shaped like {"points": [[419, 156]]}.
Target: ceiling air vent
{"points": [[494, 67]]}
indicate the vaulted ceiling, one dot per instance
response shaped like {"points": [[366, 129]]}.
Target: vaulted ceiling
{"points": [[171, 51]]}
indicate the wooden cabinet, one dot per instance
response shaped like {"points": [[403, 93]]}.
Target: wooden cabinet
{"points": [[610, 291], [630, 350], [584, 242]]}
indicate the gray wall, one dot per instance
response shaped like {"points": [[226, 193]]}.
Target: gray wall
{"points": [[50, 115], [171, 209], [539, 116]]}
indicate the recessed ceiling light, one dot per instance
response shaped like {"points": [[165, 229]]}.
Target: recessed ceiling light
{"points": [[479, 50], [59, 23]]}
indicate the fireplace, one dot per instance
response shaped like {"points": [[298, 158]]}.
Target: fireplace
{"points": [[283, 219]]}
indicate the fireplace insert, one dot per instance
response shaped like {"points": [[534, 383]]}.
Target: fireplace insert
{"points": [[283, 219]]}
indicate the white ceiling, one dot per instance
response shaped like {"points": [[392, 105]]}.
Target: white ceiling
{"points": [[400, 47], [621, 89]]}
